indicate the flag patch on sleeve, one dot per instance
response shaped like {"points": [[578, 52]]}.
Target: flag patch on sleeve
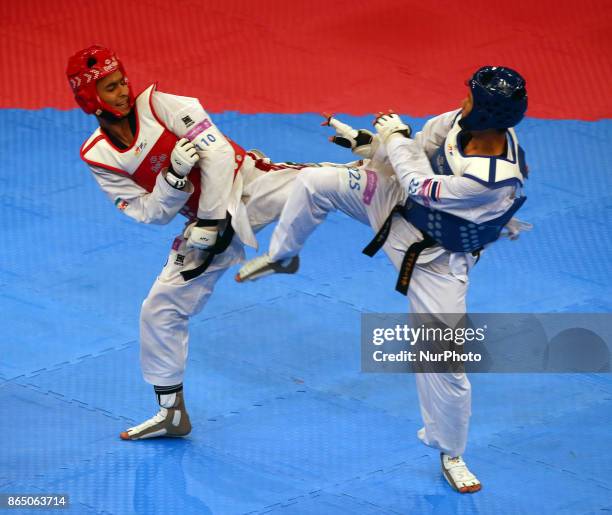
{"points": [[121, 204], [431, 189]]}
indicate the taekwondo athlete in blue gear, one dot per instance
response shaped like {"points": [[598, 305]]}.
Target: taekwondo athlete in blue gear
{"points": [[498, 100], [430, 220]]}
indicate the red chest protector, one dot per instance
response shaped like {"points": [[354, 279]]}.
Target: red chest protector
{"points": [[149, 153]]}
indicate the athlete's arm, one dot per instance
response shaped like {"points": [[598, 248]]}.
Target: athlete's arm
{"points": [[410, 162], [158, 207], [186, 118], [461, 196]]}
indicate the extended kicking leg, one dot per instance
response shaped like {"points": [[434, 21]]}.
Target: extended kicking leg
{"points": [[315, 192]]}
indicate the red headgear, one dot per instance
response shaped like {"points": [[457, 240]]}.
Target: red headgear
{"points": [[85, 69]]}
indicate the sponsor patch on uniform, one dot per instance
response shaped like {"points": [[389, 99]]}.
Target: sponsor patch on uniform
{"points": [[197, 129], [157, 162], [414, 186], [370, 189], [177, 243], [180, 260], [121, 204], [187, 121]]}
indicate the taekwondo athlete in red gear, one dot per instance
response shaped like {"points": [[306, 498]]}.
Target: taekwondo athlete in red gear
{"points": [[156, 155], [435, 201]]}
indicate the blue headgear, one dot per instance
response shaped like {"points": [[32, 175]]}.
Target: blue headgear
{"points": [[500, 99]]}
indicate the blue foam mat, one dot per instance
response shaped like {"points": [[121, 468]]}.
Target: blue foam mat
{"points": [[283, 420]]}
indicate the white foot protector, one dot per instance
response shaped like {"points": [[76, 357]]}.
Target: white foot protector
{"points": [[167, 422], [262, 265], [457, 474], [150, 428]]}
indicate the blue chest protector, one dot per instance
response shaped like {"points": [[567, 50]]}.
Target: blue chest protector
{"points": [[452, 232]]}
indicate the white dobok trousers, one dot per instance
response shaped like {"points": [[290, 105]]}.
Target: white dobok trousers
{"points": [[438, 285], [165, 313]]}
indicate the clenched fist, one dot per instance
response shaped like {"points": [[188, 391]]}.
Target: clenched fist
{"points": [[183, 157], [389, 124]]}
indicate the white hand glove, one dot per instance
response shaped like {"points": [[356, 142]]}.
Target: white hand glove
{"points": [[183, 157], [390, 124], [362, 142], [514, 228], [200, 237]]}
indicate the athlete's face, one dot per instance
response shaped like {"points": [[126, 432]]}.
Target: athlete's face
{"points": [[467, 104], [113, 90]]}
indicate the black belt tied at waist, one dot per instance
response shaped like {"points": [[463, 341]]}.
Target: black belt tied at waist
{"points": [[411, 256], [220, 246]]}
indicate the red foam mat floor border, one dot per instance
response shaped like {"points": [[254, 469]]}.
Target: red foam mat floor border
{"points": [[356, 56]]}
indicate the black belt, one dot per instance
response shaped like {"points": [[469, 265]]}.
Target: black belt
{"points": [[411, 256], [224, 240]]}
